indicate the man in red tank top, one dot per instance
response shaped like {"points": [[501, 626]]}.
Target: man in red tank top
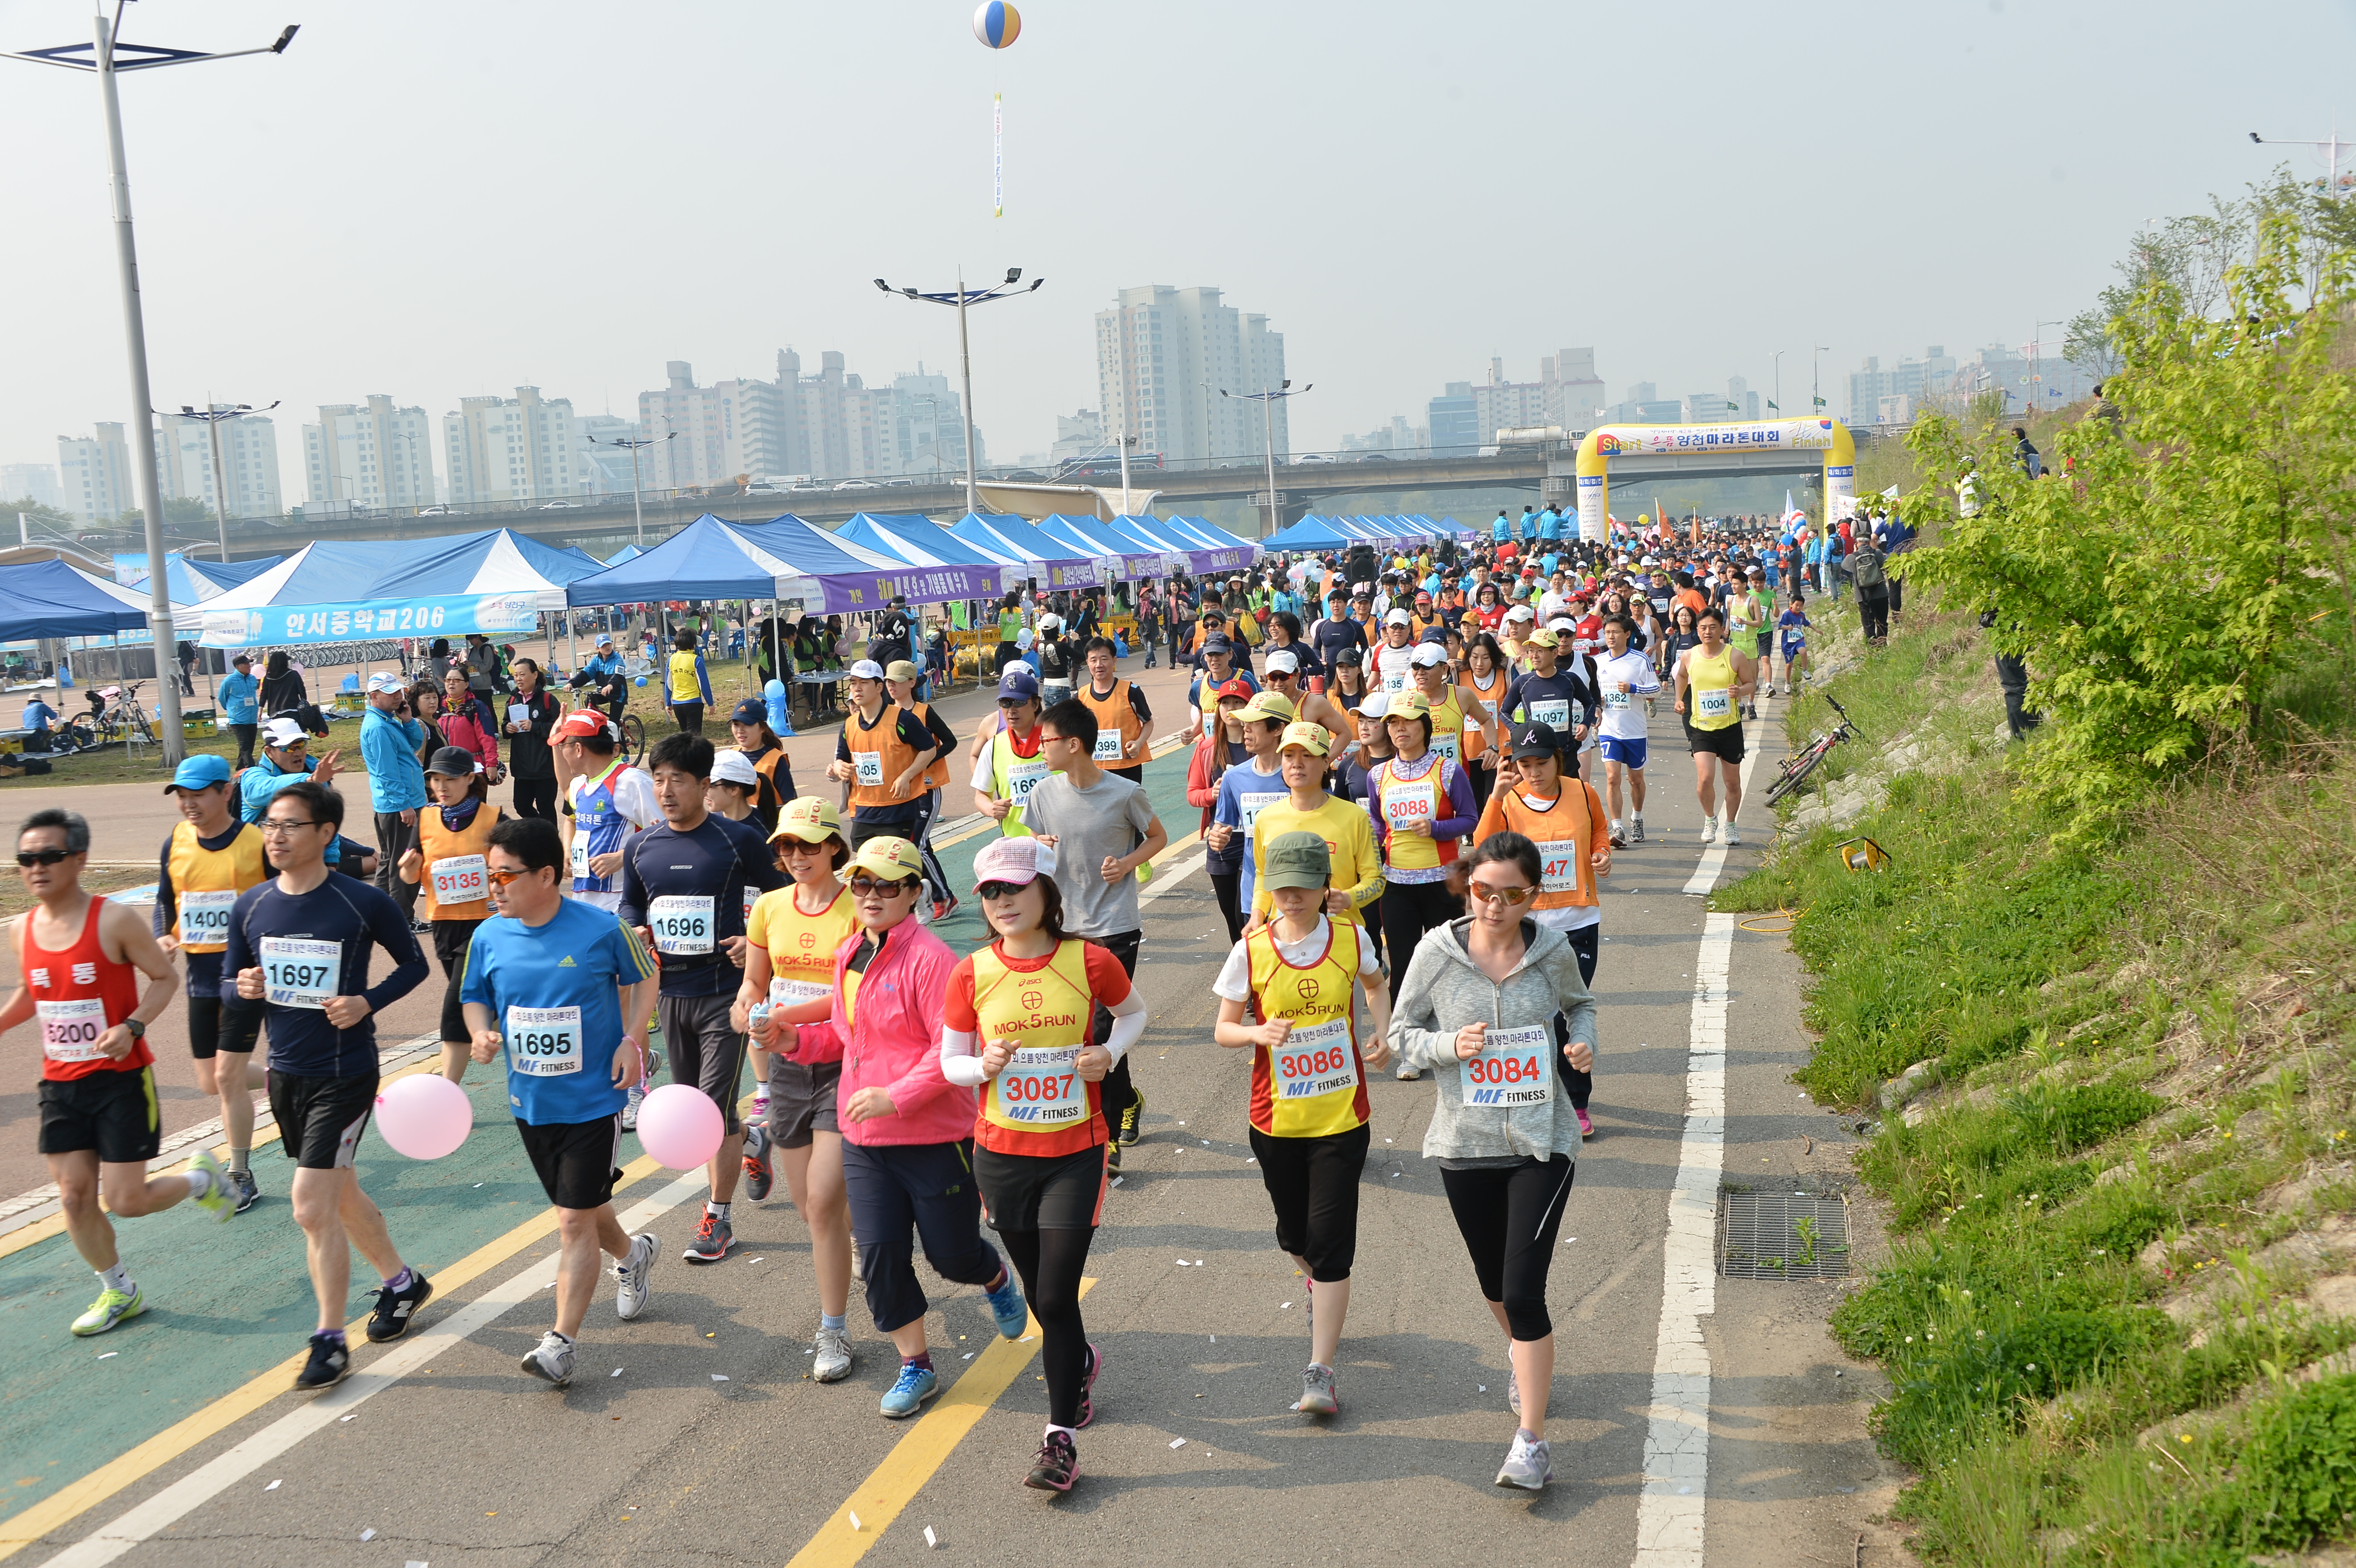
{"points": [[78, 959]]}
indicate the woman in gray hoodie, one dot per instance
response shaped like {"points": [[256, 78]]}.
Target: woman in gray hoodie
{"points": [[1479, 1007]]}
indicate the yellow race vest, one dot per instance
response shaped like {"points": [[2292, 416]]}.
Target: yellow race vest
{"points": [[206, 882], [1709, 690], [1315, 1082], [1045, 1011]]}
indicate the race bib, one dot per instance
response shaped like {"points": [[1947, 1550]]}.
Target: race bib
{"points": [[682, 925], [70, 1031], [300, 974], [1314, 1061], [1716, 703], [1512, 1068], [1254, 802], [867, 768], [1559, 867], [204, 917], [461, 879], [1410, 805], [1445, 745], [1393, 680], [785, 993], [751, 897], [544, 1042], [1041, 1088], [1021, 778], [1616, 699], [581, 872], [1108, 747], [1552, 712]]}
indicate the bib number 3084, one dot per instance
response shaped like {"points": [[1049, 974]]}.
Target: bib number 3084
{"points": [[1512, 1069]]}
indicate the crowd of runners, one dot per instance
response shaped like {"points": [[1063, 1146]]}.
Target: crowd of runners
{"points": [[1411, 770]]}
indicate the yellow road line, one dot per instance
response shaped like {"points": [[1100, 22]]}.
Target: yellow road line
{"points": [[116, 1475], [893, 1484]]}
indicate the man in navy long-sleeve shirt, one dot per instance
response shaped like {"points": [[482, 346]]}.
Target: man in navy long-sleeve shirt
{"points": [[299, 953]]}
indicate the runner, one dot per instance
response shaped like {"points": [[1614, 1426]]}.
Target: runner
{"points": [[453, 833], [78, 960], [298, 952], [1219, 667], [606, 802], [1794, 624], [1388, 667], [1422, 808], [902, 679], [1759, 614], [1457, 716], [1624, 675], [1346, 831], [1353, 782], [1224, 747], [748, 726], [1486, 680], [567, 991], [1021, 1022], [1244, 791], [881, 757], [1315, 707], [1506, 1151], [790, 944], [208, 859], [908, 1151], [1103, 830], [1006, 762], [1297, 975], [1717, 676], [684, 885], [1124, 741]]}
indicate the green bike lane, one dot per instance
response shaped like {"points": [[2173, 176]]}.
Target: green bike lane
{"points": [[228, 1302]]}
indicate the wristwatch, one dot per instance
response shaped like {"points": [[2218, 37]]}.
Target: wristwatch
{"points": [[138, 1031]]}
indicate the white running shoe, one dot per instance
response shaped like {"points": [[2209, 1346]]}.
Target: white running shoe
{"points": [[630, 1298], [631, 1108], [831, 1361], [1637, 828], [1733, 834], [551, 1360], [1708, 829]]}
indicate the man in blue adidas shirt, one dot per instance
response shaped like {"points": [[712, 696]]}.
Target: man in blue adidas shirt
{"points": [[298, 954], [567, 990]]}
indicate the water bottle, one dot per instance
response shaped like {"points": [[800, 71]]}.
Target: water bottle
{"points": [[758, 1016]]}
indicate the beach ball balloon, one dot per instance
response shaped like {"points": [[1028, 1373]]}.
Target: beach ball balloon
{"points": [[425, 1116], [997, 24]]}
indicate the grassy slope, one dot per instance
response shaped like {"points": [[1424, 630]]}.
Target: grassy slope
{"points": [[2117, 1204]]}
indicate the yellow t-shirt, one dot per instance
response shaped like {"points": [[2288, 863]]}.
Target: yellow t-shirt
{"points": [[1349, 835]]}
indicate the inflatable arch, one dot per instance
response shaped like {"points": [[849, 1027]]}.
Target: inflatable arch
{"points": [[1804, 441]]}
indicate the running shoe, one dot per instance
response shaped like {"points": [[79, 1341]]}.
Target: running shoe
{"points": [[1406, 1074], [1057, 1465], [247, 1193], [761, 1109], [1132, 1116], [631, 1108], [1513, 1388], [758, 1173], [713, 1238], [1637, 828], [329, 1363], [1586, 1127], [1007, 1305], [906, 1396], [1619, 835], [1529, 1466], [1317, 1392], [221, 1198], [552, 1359], [113, 1306], [395, 1309], [1733, 834], [1088, 1389], [1708, 828], [1112, 1157], [630, 1276], [830, 1356]]}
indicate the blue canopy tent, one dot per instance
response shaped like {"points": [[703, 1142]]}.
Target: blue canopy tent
{"points": [[940, 555], [855, 575], [627, 552], [190, 582], [1212, 547], [50, 598], [1313, 533], [496, 582], [1117, 552], [1053, 562], [708, 558]]}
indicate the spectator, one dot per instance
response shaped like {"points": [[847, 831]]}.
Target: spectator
{"points": [[531, 713], [388, 741], [2031, 464], [1865, 569], [39, 718], [283, 690], [240, 696], [687, 686], [186, 653], [485, 674], [467, 723]]}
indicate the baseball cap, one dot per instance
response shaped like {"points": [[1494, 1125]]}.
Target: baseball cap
{"points": [[1018, 682], [198, 772], [602, 641], [1349, 657], [1377, 705], [1020, 861], [242, 658], [1422, 596], [1426, 654], [1238, 689], [1218, 645], [752, 710], [384, 680], [1396, 618], [1408, 704], [1297, 860], [1268, 705], [867, 669], [1521, 613], [733, 767], [1050, 621], [454, 761], [810, 819], [580, 725], [1313, 739], [1536, 740], [901, 669], [282, 733], [1542, 638], [1284, 661], [893, 860]]}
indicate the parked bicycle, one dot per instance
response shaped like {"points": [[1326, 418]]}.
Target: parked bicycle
{"points": [[1796, 769]]}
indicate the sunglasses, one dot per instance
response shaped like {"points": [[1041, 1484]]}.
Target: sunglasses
{"points": [[864, 886], [804, 846], [1514, 897], [501, 878], [42, 857], [988, 890]]}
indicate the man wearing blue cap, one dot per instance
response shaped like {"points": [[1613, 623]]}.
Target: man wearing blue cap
{"points": [[208, 859], [389, 743], [1007, 765]]}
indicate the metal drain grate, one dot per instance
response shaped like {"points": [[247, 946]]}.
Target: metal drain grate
{"points": [[1782, 1235]]}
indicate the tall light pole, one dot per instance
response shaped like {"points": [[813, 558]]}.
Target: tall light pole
{"points": [[638, 510], [213, 415], [2330, 148], [1266, 400], [1816, 381], [1778, 403], [104, 63], [961, 297]]}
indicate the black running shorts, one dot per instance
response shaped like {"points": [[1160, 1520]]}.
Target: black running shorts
{"points": [[320, 1119], [578, 1163], [801, 1101], [703, 1050], [1040, 1192], [1724, 745], [214, 1027], [112, 1114]]}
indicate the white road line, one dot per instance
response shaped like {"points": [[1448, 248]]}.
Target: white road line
{"points": [[1669, 1513], [1165, 876], [208, 1481]]}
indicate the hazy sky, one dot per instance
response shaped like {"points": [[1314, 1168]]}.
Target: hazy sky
{"points": [[433, 199]]}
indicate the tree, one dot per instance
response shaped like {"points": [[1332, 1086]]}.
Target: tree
{"points": [[177, 509]]}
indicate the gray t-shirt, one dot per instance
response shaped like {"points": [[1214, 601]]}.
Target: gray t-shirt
{"points": [[1087, 825]]}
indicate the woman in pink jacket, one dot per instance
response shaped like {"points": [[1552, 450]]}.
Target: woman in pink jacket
{"points": [[907, 1132]]}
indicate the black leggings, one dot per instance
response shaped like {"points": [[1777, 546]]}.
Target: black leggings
{"points": [[1117, 1091], [535, 798], [1585, 943], [1051, 1263], [1410, 909], [451, 938], [1508, 1216], [1227, 888], [920, 833]]}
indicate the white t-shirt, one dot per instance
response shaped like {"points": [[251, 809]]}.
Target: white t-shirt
{"points": [[1234, 983], [1625, 720]]}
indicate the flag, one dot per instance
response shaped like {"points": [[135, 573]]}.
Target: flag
{"points": [[1787, 503], [1818, 401], [1774, 405], [1891, 491], [1730, 408]]}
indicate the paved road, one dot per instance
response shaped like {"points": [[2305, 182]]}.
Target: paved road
{"points": [[1696, 1419]]}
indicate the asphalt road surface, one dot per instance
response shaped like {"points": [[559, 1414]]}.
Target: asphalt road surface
{"points": [[1696, 1419]]}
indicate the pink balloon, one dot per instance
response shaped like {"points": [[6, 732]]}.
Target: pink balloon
{"points": [[680, 1126], [425, 1116]]}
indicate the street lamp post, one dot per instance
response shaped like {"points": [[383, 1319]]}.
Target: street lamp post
{"points": [[1265, 398], [104, 63], [1816, 381], [961, 297], [637, 511], [1778, 404], [213, 415]]}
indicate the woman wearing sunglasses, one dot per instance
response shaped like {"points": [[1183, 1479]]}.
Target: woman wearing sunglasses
{"points": [[790, 942], [907, 1131], [454, 836], [1017, 1024], [1478, 1006]]}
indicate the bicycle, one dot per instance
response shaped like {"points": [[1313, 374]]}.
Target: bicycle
{"points": [[1797, 769], [633, 746]]}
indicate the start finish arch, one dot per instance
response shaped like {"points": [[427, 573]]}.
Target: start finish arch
{"points": [[1755, 446]]}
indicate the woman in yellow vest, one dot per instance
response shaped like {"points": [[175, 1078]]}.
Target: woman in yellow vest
{"points": [[1422, 807], [1562, 814], [1486, 678], [449, 866], [901, 680], [1007, 763], [1015, 1024], [1713, 681], [790, 942], [687, 685], [1457, 716], [1297, 976]]}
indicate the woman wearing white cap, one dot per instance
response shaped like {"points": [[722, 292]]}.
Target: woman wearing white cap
{"points": [[1390, 671], [1016, 1023]]}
